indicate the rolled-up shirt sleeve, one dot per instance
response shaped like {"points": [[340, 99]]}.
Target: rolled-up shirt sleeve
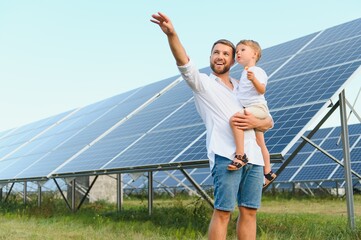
{"points": [[192, 76]]}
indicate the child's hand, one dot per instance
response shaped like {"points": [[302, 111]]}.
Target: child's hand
{"points": [[250, 76]]}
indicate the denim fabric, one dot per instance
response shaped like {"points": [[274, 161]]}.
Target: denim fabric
{"points": [[243, 186]]}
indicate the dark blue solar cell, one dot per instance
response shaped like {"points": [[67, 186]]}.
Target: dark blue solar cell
{"points": [[186, 116], [337, 34], [285, 49], [92, 130], [196, 151], [157, 147], [288, 123], [174, 97], [286, 174], [4, 164], [46, 164], [354, 129], [320, 158], [95, 157], [320, 134], [17, 165], [24, 135], [340, 173], [322, 58], [356, 154], [299, 159], [141, 123], [331, 143], [315, 172], [309, 87], [308, 148], [269, 67]]}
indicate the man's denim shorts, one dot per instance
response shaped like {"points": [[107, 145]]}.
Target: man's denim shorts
{"points": [[244, 185]]}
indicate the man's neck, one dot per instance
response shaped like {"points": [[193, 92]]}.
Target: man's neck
{"points": [[225, 79]]}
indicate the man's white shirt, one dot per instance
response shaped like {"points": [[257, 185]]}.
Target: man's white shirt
{"points": [[216, 104]]}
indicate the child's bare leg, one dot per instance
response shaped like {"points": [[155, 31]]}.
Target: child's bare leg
{"points": [[266, 157], [269, 175], [240, 157]]}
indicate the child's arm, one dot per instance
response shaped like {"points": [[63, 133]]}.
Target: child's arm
{"points": [[260, 87]]}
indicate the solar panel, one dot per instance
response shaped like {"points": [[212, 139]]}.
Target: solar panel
{"points": [[137, 126], [24, 134], [67, 138], [338, 33], [308, 165], [309, 162], [308, 80], [113, 135]]}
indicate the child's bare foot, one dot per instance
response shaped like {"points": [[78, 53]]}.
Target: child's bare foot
{"points": [[238, 162]]}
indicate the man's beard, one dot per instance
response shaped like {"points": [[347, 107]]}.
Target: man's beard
{"points": [[221, 71]]}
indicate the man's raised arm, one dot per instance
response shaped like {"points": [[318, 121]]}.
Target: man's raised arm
{"points": [[175, 45]]}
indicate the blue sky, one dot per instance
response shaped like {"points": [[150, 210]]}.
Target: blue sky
{"points": [[60, 55]]}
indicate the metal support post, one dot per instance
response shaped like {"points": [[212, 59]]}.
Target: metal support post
{"points": [[150, 192], [39, 195], [347, 161], [73, 208], [119, 192], [25, 193]]}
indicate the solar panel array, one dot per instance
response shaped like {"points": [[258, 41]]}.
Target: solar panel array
{"points": [[309, 164], [143, 128], [57, 141]]}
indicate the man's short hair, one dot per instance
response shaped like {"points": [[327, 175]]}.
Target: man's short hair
{"points": [[227, 43]]}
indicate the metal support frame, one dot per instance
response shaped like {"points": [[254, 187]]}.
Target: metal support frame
{"points": [[8, 194], [87, 192], [73, 191], [198, 187], [62, 194], [150, 192], [25, 193], [303, 143], [347, 161], [1, 194], [39, 195], [120, 193], [330, 156]]}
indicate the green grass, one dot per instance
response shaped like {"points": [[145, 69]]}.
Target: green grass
{"points": [[281, 217]]}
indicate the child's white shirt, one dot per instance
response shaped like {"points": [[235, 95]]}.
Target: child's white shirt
{"points": [[246, 92]]}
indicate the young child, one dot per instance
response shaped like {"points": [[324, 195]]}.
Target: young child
{"points": [[250, 92]]}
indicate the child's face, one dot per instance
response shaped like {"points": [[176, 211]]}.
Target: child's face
{"points": [[245, 55]]}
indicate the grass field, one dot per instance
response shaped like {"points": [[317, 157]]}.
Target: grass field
{"points": [[280, 217]]}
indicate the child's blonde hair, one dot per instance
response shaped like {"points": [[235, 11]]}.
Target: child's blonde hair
{"points": [[254, 45]]}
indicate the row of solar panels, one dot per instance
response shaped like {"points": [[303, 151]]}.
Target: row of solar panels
{"points": [[309, 165], [158, 126]]}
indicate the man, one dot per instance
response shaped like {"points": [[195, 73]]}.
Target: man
{"points": [[216, 103]]}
